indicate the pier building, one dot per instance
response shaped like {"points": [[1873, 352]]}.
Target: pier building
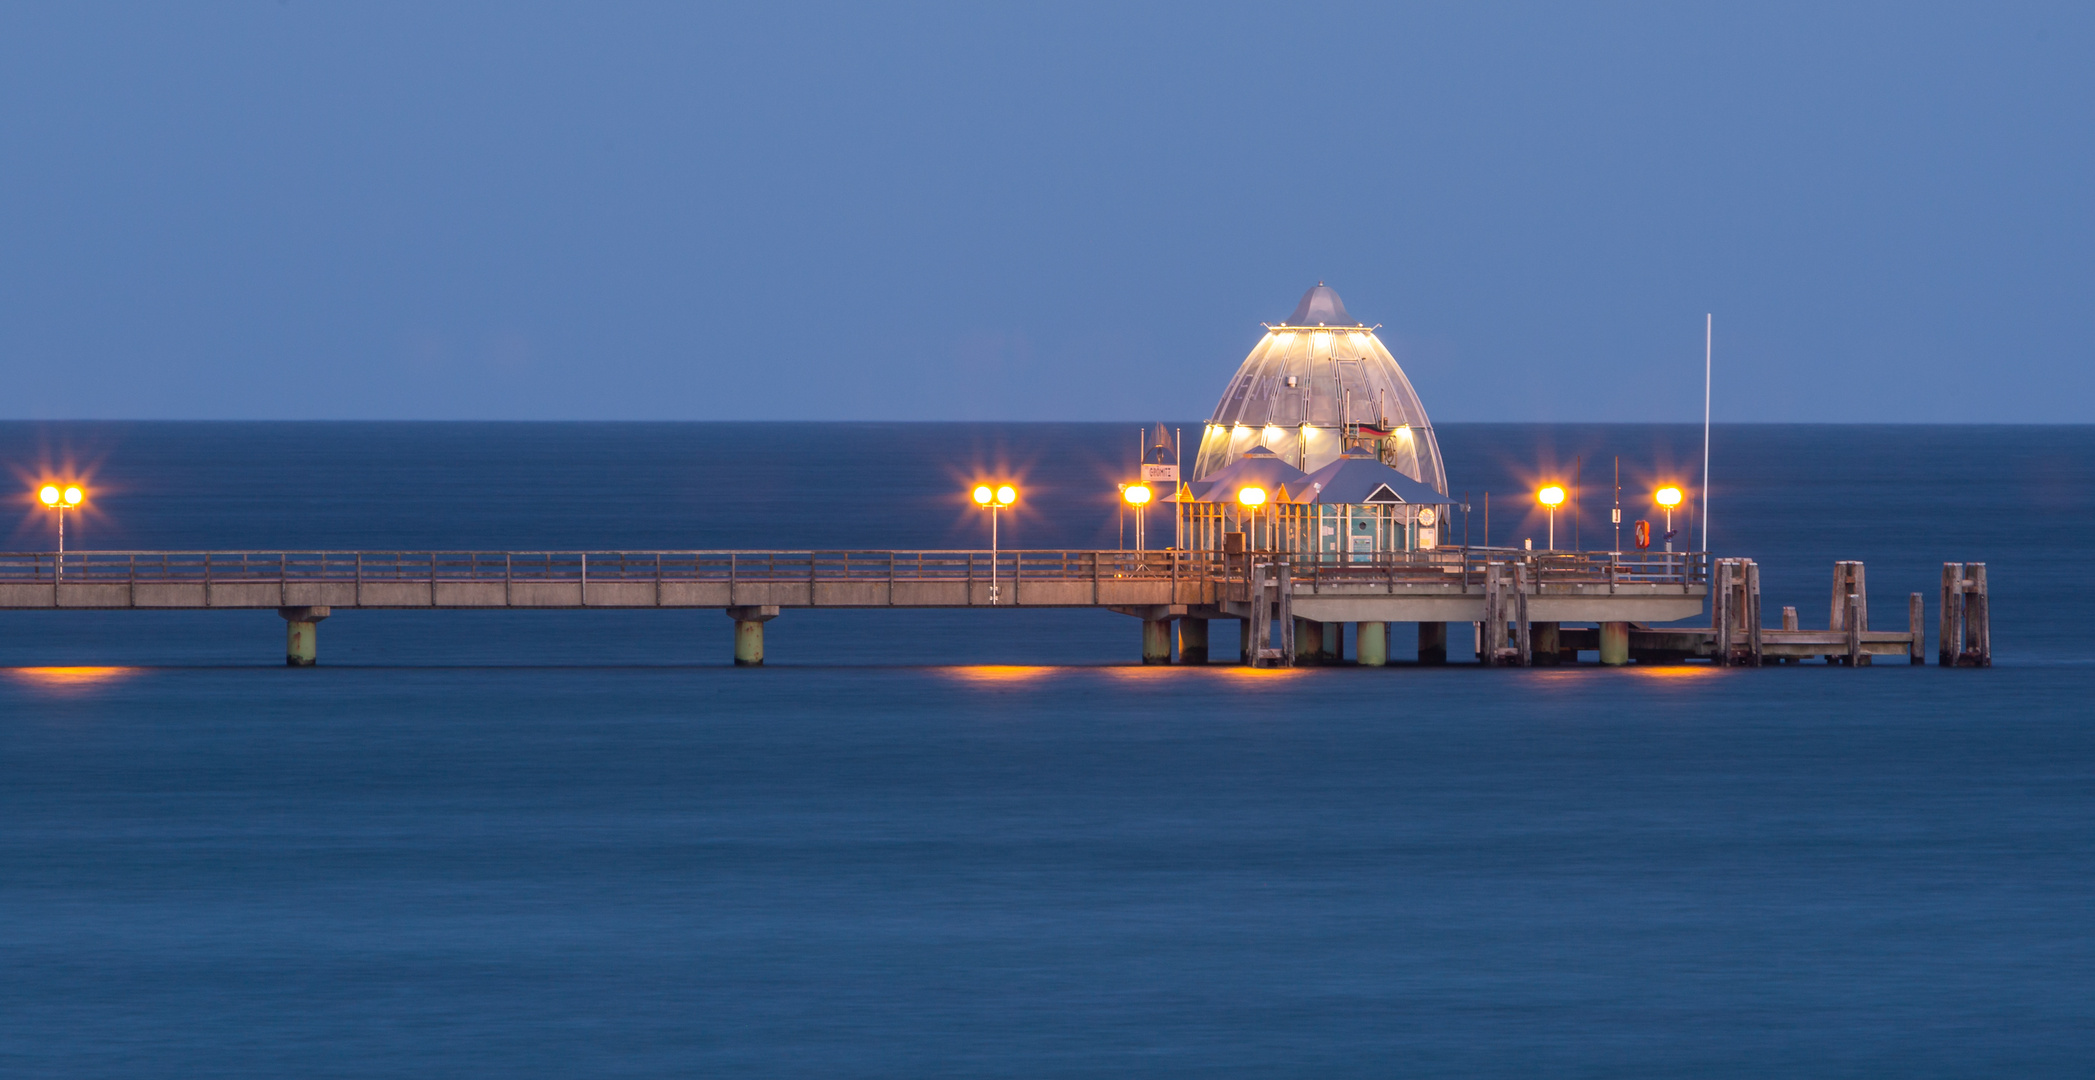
{"points": [[1356, 507]]}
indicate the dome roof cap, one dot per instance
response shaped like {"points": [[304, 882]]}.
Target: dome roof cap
{"points": [[1321, 306]]}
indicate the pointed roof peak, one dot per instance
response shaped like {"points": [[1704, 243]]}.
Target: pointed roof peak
{"points": [[1321, 306]]}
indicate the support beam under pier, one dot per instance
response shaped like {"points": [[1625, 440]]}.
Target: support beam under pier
{"points": [[749, 633], [1614, 643], [1433, 643], [1548, 650], [1156, 641], [1309, 641], [302, 635], [1371, 644], [1192, 641]]}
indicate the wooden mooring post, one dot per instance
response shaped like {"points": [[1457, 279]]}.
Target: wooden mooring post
{"points": [[1272, 633], [1506, 630], [1526, 630], [1967, 628], [1850, 614], [1493, 652], [1735, 613]]}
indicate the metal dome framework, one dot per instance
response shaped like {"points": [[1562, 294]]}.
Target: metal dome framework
{"points": [[1315, 386]]}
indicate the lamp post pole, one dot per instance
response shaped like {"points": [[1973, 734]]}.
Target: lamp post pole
{"points": [[60, 501], [994, 499], [1668, 497], [1138, 496], [1551, 497]]}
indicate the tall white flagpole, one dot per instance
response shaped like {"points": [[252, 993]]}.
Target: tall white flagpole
{"points": [[1708, 324]]}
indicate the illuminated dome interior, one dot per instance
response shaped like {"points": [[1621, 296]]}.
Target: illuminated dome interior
{"points": [[1315, 385]]}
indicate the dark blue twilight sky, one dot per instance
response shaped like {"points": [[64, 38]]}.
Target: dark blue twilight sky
{"points": [[1062, 211]]}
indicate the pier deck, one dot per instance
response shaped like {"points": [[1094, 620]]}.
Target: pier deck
{"points": [[1521, 603], [1444, 585]]}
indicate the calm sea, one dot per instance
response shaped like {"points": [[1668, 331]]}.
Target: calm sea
{"points": [[983, 844]]}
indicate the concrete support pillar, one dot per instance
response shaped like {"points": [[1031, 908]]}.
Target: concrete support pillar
{"points": [[1333, 643], [1156, 641], [1371, 644], [1192, 641], [1244, 642], [1547, 644], [302, 634], [1309, 641], [749, 633], [1433, 642], [1614, 643]]}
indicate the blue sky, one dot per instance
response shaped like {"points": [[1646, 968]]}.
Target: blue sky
{"points": [[290, 210]]}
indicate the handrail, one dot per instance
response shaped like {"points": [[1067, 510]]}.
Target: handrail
{"points": [[1312, 571]]}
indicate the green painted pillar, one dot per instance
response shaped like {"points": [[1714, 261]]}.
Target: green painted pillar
{"points": [[1156, 641], [1614, 643], [1371, 644], [302, 635], [1192, 641], [1309, 641], [1433, 643], [749, 633], [749, 643], [1547, 644]]}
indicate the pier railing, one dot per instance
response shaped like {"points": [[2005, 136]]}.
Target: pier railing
{"points": [[1315, 572]]}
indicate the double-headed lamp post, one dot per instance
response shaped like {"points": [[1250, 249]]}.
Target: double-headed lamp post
{"points": [[1668, 497], [1251, 498], [1138, 496], [60, 499], [995, 499], [1552, 497]]}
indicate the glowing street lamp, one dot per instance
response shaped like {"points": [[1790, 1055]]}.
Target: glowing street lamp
{"points": [[1668, 497], [1138, 496], [994, 499], [61, 500], [1251, 498], [1552, 497]]}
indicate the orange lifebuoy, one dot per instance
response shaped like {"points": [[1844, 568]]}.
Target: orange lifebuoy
{"points": [[1643, 534]]}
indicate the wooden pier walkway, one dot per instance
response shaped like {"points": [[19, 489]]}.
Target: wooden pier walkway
{"points": [[1434, 584], [1518, 600]]}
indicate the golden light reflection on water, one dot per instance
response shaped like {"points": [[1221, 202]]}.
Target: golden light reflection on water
{"points": [[999, 673], [1672, 672], [1144, 672], [1269, 674], [67, 678]]}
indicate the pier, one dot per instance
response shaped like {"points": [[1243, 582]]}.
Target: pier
{"points": [[1522, 606]]}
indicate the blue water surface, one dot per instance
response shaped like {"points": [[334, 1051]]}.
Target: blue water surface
{"points": [[982, 843]]}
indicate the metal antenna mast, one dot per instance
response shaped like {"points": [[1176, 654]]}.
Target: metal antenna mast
{"points": [[1708, 323]]}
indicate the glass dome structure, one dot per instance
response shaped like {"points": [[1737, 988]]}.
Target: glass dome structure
{"points": [[1315, 386]]}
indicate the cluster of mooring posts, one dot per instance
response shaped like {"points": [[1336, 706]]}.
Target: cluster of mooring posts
{"points": [[1523, 608], [1510, 635]]}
